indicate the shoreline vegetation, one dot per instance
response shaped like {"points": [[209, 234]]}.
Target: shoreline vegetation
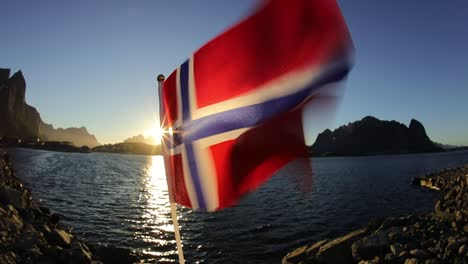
{"points": [[439, 236], [31, 233]]}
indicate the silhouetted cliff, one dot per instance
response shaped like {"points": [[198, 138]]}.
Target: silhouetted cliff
{"points": [[17, 119], [373, 136], [20, 120]]}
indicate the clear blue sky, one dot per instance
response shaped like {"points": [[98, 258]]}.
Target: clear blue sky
{"points": [[93, 63]]}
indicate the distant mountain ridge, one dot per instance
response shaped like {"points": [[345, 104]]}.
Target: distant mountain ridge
{"points": [[371, 136], [141, 139], [20, 120], [77, 136]]}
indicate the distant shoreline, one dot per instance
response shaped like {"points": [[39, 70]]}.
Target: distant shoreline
{"points": [[389, 153], [47, 145], [135, 148]]}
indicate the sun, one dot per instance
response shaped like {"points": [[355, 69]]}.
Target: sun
{"points": [[156, 133]]}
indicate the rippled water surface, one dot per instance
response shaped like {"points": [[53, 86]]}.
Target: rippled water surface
{"points": [[122, 200]]}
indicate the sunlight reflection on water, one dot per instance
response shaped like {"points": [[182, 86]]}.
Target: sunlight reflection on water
{"points": [[122, 201], [156, 215]]}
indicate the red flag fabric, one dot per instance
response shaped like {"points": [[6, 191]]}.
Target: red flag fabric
{"points": [[232, 111]]}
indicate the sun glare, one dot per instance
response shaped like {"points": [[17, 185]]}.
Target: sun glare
{"points": [[157, 133]]}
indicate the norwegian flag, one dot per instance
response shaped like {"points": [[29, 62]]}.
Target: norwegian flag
{"points": [[233, 111]]}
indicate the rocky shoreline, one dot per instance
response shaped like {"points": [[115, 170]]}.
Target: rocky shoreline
{"points": [[436, 237], [30, 233]]}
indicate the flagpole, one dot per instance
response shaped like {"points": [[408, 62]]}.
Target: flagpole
{"points": [[175, 222]]}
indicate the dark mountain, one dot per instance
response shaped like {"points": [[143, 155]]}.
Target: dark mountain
{"points": [[20, 120], [77, 136], [17, 119], [371, 136]]}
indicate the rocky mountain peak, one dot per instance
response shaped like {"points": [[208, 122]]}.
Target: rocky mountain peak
{"points": [[369, 119], [17, 86], [4, 76], [20, 120], [373, 136], [416, 125]]}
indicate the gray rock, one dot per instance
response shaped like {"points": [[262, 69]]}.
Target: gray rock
{"points": [[31, 232], [463, 250], [17, 198], [426, 244], [404, 254], [79, 253], [54, 218], [394, 235], [396, 249], [44, 228], [13, 219], [373, 245], [30, 240], [296, 256], [389, 258], [114, 255], [59, 237], [413, 244], [56, 252], [305, 253], [411, 261], [2, 211], [419, 253], [339, 250], [401, 221], [8, 258], [376, 260]]}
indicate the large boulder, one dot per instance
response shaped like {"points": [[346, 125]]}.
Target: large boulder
{"points": [[19, 199], [59, 237], [339, 250], [10, 219], [377, 244], [114, 255], [303, 254], [8, 258]]}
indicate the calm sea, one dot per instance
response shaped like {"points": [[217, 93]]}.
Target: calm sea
{"points": [[121, 200]]}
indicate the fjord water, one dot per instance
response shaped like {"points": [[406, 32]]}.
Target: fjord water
{"points": [[121, 200]]}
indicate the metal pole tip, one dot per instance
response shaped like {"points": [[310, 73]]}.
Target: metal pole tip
{"points": [[161, 78]]}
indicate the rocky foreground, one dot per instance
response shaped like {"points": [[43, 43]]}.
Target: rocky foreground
{"points": [[30, 233], [436, 237]]}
